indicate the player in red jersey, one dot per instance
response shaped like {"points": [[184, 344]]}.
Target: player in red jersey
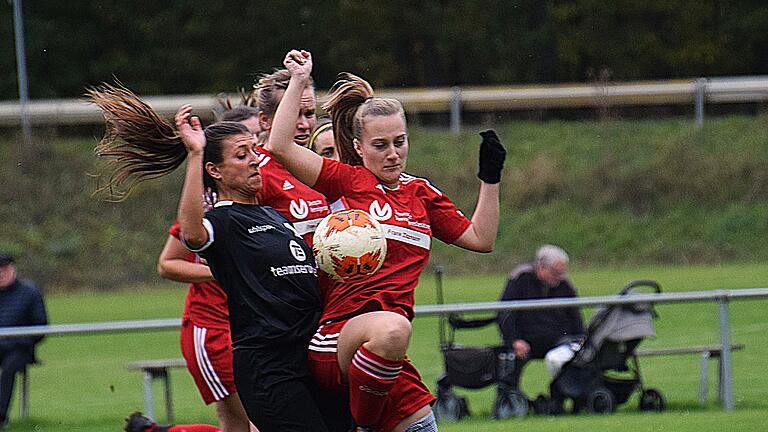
{"points": [[366, 327], [205, 338], [321, 141], [300, 204]]}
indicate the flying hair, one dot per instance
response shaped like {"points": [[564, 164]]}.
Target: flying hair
{"points": [[138, 144]]}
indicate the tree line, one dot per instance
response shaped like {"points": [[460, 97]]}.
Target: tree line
{"points": [[191, 46]]}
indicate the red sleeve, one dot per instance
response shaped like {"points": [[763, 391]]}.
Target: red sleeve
{"points": [[175, 231], [335, 179], [448, 223]]}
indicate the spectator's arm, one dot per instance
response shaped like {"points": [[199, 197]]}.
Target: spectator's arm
{"points": [[37, 315], [508, 319]]}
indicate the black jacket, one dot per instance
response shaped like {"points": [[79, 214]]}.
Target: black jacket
{"points": [[21, 304], [542, 329]]}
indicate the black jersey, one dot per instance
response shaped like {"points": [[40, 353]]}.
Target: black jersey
{"points": [[268, 272]]}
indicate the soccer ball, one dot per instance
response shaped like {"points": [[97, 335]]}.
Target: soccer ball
{"points": [[349, 245]]}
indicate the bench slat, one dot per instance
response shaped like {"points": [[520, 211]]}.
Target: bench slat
{"points": [[157, 364], [713, 350]]}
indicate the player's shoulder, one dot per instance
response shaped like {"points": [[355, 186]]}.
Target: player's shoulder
{"points": [[420, 184]]}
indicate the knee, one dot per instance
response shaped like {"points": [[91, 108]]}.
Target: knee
{"points": [[391, 337]]}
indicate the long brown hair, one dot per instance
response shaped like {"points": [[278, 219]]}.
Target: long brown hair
{"points": [[351, 100], [139, 144]]}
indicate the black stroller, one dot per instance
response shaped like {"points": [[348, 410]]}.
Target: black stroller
{"points": [[473, 368], [599, 378]]}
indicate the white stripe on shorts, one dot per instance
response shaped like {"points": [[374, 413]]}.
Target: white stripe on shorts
{"points": [[324, 343], [206, 368]]}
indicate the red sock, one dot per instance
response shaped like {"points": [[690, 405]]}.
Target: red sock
{"points": [[194, 428], [370, 378]]}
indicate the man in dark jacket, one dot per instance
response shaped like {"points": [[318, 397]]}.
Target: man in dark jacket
{"points": [[533, 333], [21, 304]]}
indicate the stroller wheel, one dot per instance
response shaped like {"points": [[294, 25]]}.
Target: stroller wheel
{"points": [[652, 400], [510, 403], [601, 401], [450, 407]]}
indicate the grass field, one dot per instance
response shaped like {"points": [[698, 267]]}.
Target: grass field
{"points": [[83, 384]]}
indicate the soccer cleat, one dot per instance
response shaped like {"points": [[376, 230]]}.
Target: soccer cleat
{"points": [[137, 422]]}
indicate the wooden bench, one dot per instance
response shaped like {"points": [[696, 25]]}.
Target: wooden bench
{"points": [[707, 352], [154, 369]]}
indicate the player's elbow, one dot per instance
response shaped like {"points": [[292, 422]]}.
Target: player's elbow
{"points": [[485, 248], [163, 270], [484, 245]]}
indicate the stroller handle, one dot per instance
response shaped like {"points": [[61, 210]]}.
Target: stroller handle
{"points": [[641, 282]]}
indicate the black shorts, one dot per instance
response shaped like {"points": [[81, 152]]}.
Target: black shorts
{"points": [[277, 395]]}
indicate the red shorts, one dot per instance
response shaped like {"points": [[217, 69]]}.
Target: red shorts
{"points": [[208, 354], [406, 397]]}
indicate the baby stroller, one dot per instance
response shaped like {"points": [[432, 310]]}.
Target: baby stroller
{"points": [[473, 368], [598, 378]]}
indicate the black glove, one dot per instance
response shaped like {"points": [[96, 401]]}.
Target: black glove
{"points": [[492, 155]]}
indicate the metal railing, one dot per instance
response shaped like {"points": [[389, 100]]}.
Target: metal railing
{"points": [[455, 100], [721, 297]]}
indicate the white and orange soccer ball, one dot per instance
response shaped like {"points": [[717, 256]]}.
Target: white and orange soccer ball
{"points": [[349, 245]]}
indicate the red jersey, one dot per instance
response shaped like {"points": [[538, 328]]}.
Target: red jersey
{"points": [[410, 214], [206, 303], [299, 203]]}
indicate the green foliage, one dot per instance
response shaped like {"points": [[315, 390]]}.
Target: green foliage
{"points": [[609, 192], [194, 46]]}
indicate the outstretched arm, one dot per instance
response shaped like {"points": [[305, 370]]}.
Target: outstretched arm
{"points": [[191, 203], [173, 264], [302, 162], [481, 235]]}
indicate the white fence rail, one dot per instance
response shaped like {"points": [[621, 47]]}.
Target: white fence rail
{"points": [[455, 100], [721, 297]]}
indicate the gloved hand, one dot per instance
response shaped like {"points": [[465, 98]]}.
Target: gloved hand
{"points": [[492, 155]]}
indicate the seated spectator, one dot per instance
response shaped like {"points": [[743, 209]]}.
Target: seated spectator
{"points": [[534, 334], [21, 304]]}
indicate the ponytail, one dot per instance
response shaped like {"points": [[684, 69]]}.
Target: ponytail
{"points": [[350, 102], [138, 144]]}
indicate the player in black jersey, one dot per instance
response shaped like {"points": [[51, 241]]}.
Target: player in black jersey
{"points": [[266, 268]]}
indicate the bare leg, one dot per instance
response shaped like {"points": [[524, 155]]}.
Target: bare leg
{"points": [[418, 415], [232, 417], [384, 333], [370, 352]]}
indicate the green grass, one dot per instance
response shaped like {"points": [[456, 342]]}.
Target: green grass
{"points": [[83, 385]]}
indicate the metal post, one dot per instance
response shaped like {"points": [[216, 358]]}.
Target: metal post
{"points": [[24, 402], [704, 378], [700, 92], [168, 400], [21, 67], [149, 410], [726, 370], [440, 300], [455, 110]]}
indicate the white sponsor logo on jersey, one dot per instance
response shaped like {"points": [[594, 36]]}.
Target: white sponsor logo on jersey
{"points": [[287, 185], [297, 251], [299, 209], [260, 228], [378, 212]]}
